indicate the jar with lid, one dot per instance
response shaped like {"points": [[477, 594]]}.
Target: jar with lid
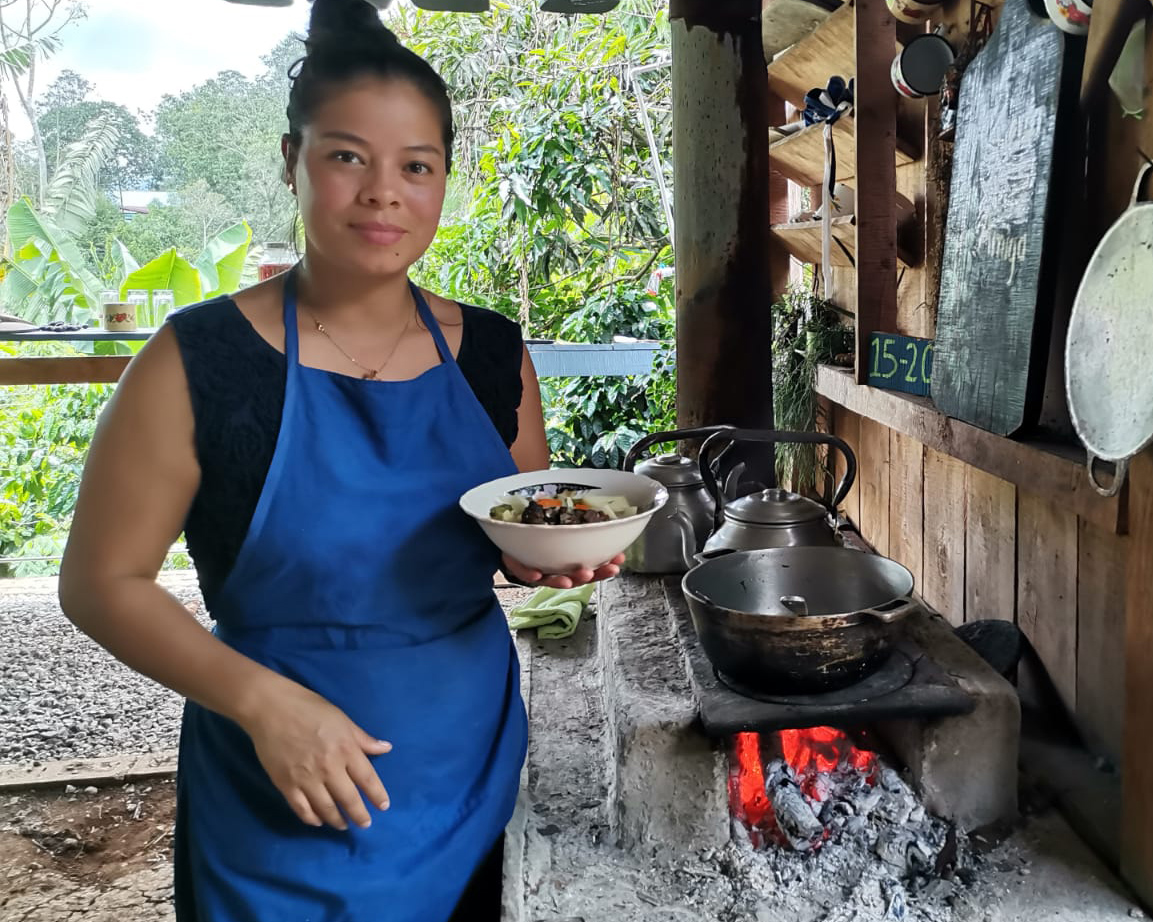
{"points": [[276, 258]]}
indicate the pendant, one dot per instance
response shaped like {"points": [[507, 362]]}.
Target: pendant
{"points": [[368, 376]]}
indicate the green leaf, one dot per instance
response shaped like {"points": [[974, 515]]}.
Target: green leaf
{"points": [[74, 193], [222, 260], [169, 271], [122, 259], [39, 242]]}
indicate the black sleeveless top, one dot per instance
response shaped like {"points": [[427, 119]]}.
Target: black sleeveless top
{"points": [[236, 383]]}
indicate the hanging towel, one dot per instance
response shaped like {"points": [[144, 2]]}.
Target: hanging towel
{"points": [[555, 613]]}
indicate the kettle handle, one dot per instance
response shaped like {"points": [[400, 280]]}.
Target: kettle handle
{"points": [[733, 436], [700, 432]]}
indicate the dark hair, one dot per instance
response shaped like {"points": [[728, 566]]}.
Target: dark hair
{"points": [[346, 41]]}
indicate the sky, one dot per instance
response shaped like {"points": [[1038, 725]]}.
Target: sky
{"points": [[136, 51]]}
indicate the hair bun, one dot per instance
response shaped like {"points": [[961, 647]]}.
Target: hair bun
{"points": [[347, 17]]}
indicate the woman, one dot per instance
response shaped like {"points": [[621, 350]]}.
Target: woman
{"points": [[354, 731]]}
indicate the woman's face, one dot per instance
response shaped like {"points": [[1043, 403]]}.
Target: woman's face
{"points": [[370, 176]]}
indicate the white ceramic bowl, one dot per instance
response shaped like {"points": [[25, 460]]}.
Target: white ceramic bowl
{"points": [[559, 549]]}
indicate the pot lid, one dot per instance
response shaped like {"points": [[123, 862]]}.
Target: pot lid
{"points": [[671, 471], [774, 507]]}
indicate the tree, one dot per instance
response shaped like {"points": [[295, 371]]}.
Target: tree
{"points": [[565, 201], [191, 218], [226, 132], [66, 108], [29, 30]]}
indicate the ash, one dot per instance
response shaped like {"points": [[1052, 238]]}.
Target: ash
{"points": [[848, 846]]}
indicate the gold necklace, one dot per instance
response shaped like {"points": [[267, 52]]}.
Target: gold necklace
{"points": [[369, 374]]}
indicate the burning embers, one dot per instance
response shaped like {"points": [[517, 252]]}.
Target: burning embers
{"points": [[824, 791]]}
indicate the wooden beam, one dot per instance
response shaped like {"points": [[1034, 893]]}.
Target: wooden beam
{"points": [[876, 176], [1137, 761], [1040, 469], [72, 369], [720, 100], [87, 771]]}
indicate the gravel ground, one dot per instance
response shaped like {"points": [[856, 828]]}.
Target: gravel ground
{"points": [[63, 697]]}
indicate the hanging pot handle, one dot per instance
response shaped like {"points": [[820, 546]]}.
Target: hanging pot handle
{"points": [[1119, 470], [1142, 173], [633, 455], [893, 611], [775, 437]]}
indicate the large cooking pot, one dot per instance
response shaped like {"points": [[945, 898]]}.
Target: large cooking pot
{"points": [[798, 620]]}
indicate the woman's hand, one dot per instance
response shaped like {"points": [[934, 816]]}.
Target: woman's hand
{"points": [[568, 580], [318, 758]]}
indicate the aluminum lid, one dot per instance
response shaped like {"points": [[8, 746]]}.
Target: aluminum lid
{"points": [[774, 507]]}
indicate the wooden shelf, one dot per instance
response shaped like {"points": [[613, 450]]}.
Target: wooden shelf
{"points": [[1055, 472], [803, 241], [801, 156], [826, 52]]}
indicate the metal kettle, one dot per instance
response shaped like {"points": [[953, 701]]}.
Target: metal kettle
{"points": [[773, 517], [674, 536]]}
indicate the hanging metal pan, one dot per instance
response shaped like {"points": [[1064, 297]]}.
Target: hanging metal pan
{"points": [[1109, 349]]}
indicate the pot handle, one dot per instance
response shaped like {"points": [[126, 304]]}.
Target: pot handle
{"points": [[1136, 197], [797, 605], [1119, 471], [893, 611], [706, 556], [733, 436], [675, 435]]}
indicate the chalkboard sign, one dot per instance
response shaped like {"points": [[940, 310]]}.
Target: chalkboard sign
{"points": [[997, 271], [900, 363]]}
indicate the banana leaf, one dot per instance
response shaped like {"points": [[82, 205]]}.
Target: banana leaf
{"points": [[221, 262]]}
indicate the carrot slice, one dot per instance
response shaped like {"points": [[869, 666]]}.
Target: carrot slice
{"points": [[547, 501]]}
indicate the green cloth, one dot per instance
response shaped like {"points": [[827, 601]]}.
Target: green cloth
{"points": [[555, 613]]}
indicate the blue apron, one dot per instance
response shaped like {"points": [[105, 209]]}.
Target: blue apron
{"points": [[362, 580]]}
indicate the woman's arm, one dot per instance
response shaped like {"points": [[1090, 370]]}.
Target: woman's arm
{"points": [[139, 481], [530, 450]]}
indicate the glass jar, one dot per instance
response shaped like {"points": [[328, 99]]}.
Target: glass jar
{"points": [[276, 258], [163, 304]]}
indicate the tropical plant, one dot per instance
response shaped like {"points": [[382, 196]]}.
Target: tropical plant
{"points": [[807, 332], [43, 441]]}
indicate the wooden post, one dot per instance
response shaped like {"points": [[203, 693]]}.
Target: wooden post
{"points": [[876, 176], [721, 211], [1137, 758]]}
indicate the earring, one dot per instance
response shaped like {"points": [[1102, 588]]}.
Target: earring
{"points": [[292, 187]]}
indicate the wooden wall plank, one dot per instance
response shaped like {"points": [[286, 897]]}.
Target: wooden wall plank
{"points": [[1035, 467], [873, 471], [990, 536], [943, 582], [906, 503], [847, 426], [1137, 764], [1047, 588], [1101, 639]]}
